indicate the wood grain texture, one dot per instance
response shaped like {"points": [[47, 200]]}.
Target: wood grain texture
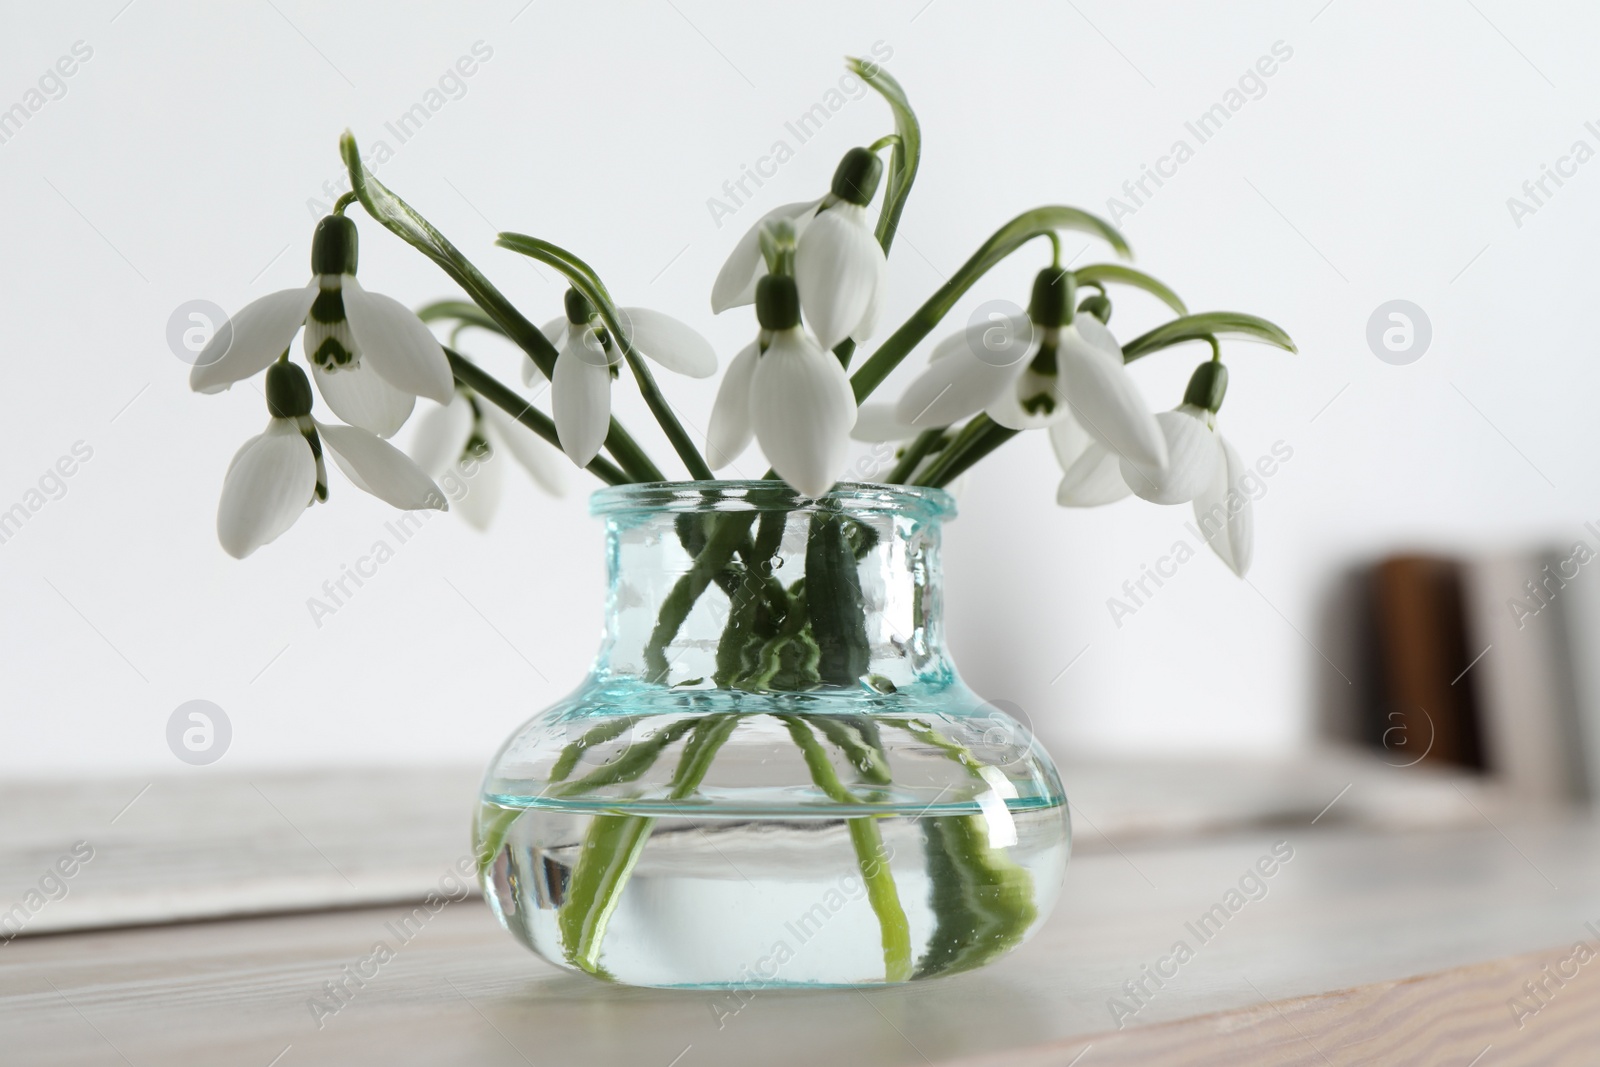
{"points": [[1475, 912], [1459, 1016]]}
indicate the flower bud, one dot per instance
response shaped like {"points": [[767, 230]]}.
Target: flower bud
{"points": [[856, 179], [288, 391], [1207, 386], [334, 246], [777, 302], [1051, 304], [579, 310]]}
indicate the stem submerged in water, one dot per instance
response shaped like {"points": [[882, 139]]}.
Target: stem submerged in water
{"points": [[871, 855], [614, 843]]}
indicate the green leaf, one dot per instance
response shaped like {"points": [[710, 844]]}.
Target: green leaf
{"points": [[905, 156], [1004, 241], [398, 217], [1210, 324], [1116, 272]]}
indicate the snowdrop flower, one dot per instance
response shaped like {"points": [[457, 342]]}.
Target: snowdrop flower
{"points": [[276, 475], [460, 445], [1035, 370], [840, 267], [371, 356], [588, 359], [1203, 468], [736, 282], [1193, 447], [787, 392], [838, 263]]}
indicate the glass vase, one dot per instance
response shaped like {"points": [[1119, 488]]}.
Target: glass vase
{"points": [[773, 774]]}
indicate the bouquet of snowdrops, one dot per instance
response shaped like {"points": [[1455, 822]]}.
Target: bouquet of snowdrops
{"points": [[815, 273]]}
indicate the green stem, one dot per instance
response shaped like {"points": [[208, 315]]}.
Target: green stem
{"points": [[1004, 241], [584, 279], [613, 845], [915, 453], [395, 215], [977, 439], [731, 529], [491, 389], [871, 855]]}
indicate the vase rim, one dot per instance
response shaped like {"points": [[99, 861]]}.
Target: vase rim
{"points": [[921, 501]]}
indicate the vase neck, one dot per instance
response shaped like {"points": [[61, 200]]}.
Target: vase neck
{"points": [[745, 586]]}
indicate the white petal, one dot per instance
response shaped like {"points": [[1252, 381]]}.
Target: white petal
{"points": [[1105, 400], [1097, 333], [730, 431], [441, 435], [1223, 513], [1193, 456], [1008, 410], [481, 478], [555, 331], [736, 282], [669, 342], [359, 396], [379, 468], [964, 376], [880, 295], [880, 422], [257, 334], [268, 485], [803, 409], [837, 268], [537, 456], [1069, 440], [398, 344], [1093, 479], [580, 397]]}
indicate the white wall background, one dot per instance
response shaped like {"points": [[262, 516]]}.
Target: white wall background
{"points": [[178, 163]]}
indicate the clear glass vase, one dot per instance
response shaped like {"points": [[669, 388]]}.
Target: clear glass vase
{"points": [[773, 774]]}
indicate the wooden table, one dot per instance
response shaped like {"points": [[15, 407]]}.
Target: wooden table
{"points": [[1364, 946]]}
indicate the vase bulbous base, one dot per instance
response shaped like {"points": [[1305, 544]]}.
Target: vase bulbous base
{"points": [[943, 849]]}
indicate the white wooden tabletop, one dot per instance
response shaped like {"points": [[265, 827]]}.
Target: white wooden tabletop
{"points": [[1363, 947]]}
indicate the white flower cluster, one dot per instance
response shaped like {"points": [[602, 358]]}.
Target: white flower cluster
{"points": [[816, 273], [371, 357]]}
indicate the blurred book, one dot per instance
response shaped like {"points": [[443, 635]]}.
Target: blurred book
{"points": [[1420, 710], [1491, 663]]}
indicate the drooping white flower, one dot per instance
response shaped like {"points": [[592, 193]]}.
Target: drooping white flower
{"points": [[1034, 370], [277, 474], [838, 264], [736, 282], [588, 358], [789, 393], [1193, 453], [462, 443], [370, 354], [1204, 468]]}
